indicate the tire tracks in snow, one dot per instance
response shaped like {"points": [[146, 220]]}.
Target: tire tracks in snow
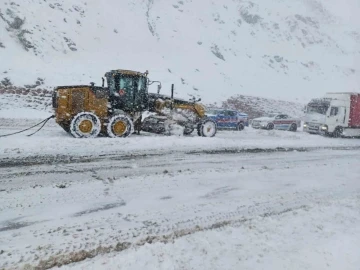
{"points": [[64, 159], [245, 214], [147, 162], [170, 237], [207, 212]]}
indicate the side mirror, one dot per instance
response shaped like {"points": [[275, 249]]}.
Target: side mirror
{"points": [[199, 99]]}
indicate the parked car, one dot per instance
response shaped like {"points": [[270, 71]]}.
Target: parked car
{"points": [[276, 121], [228, 119]]}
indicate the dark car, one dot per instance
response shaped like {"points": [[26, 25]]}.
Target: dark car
{"points": [[228, 119]]}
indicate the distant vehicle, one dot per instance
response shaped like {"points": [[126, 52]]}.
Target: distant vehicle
{"points": [[337, 114], [228, 119], [276, 121]]}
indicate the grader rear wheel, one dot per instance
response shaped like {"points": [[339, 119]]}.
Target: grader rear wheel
{"points": [[85, 125], [120, 126]]}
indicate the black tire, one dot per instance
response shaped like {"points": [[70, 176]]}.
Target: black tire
{"points": [[293, 127], [198, 129], [240, 126], [85, 125], [137, 125], [338, 132], [270, 126]]}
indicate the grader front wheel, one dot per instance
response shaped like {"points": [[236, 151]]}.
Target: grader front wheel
{"points": [[207, 128], [85, 125], [120, 126]]}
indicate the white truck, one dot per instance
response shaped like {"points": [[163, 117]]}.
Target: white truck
{"points": [[337, 115]]}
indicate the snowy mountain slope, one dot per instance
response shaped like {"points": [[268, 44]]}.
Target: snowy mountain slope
{"points": [[280, 49]]}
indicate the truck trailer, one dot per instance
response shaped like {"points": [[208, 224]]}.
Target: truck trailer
{"points": [[336, 115]]}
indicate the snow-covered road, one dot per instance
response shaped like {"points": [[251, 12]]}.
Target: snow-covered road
{"points": [[54, 144], [185, 210]]}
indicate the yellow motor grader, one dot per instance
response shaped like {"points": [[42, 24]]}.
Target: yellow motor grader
{"points": [[86, 111]]}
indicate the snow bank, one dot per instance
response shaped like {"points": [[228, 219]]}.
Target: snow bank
{"points": [[23, 113], [324, 238], [54, 141]]}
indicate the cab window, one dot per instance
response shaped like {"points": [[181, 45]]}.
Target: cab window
{"points": [[230, 113], [334, 111]]}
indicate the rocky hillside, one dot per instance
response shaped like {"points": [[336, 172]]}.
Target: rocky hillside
{"points": [[257, 106], [280, 49], [18, 102]]}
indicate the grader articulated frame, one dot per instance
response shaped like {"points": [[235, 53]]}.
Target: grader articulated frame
{"points": [[87, 111]]}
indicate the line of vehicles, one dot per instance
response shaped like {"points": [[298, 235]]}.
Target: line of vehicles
{"points": [[232, 119], [334, 115]]}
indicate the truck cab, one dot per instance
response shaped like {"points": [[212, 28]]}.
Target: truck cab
{"points": [[333, 115]]}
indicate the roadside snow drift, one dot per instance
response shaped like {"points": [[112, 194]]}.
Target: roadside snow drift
{"points": [[53, 141]]}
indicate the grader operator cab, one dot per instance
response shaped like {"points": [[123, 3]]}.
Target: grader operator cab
{"points": [[116, 110]]}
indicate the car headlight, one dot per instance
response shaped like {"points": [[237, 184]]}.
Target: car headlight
{"points": [[324, 127], [305, 125]]}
